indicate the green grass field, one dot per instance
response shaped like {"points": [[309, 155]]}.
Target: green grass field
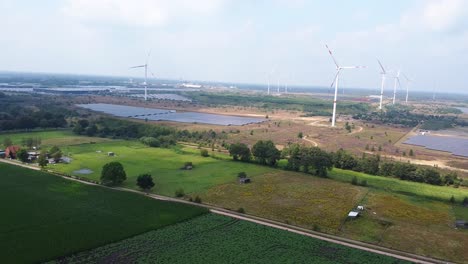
{"points": [[218, 239], [52, 138], [393, 185], [163, 164], [44, 217]]}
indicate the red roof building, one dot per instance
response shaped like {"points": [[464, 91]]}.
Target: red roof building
{"points": [[10, 151]]}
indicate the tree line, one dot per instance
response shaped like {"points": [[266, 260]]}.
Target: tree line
{"points": [[316, 161], [150, 135]]}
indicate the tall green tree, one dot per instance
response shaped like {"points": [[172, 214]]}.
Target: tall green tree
{"points": [[265, 152], [240, 151], [22, 155], [42, 160], [113, 173], [55, 153], [145, 182]]}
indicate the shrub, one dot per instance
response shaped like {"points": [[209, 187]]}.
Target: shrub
{"points": [[179, 193], [204, 153], [241, 210], [354, 180], [364, 183], [452, 199], [197, 199], [242, 175]]}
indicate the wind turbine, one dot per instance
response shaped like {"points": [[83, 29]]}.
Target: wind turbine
{"points": [[397, 79], [384, 72], [408, 81], [146, 74], [268, 77], [335, 82]]}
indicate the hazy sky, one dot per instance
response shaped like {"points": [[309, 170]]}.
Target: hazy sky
{"points": [[241, 40]]}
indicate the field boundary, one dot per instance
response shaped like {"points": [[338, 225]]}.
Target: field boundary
{"points": [[259, 220]]}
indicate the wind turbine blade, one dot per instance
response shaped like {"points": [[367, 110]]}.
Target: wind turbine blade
{"points": [[334, 79], [406, 77], [331, 54], [147, 57], [152, 74], [353, 67], [381, 66], [399, 83], [139, 66]]}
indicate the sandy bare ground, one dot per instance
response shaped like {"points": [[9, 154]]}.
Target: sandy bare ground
{"points": [[311, 141], [359, 130], [301, 231], [434, 163]]}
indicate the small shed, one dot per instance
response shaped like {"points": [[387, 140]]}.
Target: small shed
{"points": [[353, 214], [244, 180], [360, 208], [110, 154], [461, 224]]}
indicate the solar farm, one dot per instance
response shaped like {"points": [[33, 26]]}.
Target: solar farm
{"points": [[456, 145], [155, 114]]}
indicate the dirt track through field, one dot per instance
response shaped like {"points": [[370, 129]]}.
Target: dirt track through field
{"points": [[311, 141], [266, 222]]}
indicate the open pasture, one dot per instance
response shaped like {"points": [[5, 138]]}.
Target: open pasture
{"points": [[410, 224], [163, 164], [218, 239], [45, 217], [52, 138], [290, 197]]}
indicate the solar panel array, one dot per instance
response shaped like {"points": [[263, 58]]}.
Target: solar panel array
{"points": [[124, 110], [171, 115], [455, 145]]}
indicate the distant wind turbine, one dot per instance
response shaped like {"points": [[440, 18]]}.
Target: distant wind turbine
{"points": [[146, 74], [384, 73], [397, 79], [335, 82], [269, 76], [408, 81]]}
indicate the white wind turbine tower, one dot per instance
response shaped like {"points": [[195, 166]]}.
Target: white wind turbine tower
{"points": [[408, 81], [397, 79], [335, 81], [384, 73], [268, 77], [146, 74]]}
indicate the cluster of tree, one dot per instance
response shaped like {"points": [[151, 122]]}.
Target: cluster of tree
{"points": [[373, 165], [263, 152], [22, 113], [403, 116], [308, 159], [310, 106], [151, 135]]}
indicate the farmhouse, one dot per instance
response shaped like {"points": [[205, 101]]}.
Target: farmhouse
{"points": [[10, 152]]}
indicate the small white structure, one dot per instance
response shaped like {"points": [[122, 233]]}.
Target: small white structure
{"points": [[353, 214], [360, 207], [110, 154]]}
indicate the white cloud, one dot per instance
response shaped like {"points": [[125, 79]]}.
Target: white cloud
{"points": [[435, 15], [138, 12]]}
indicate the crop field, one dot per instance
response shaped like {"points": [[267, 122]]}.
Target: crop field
{"points": [[45, 217], [53, 138], [290, 197], [163, 164], [218, 239], [410, 224]]}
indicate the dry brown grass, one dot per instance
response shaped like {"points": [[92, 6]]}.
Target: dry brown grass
{"points": [[286, 196], [409, 224]]}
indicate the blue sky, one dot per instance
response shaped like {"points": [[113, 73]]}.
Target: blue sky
{"points": [[240, 40]]}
